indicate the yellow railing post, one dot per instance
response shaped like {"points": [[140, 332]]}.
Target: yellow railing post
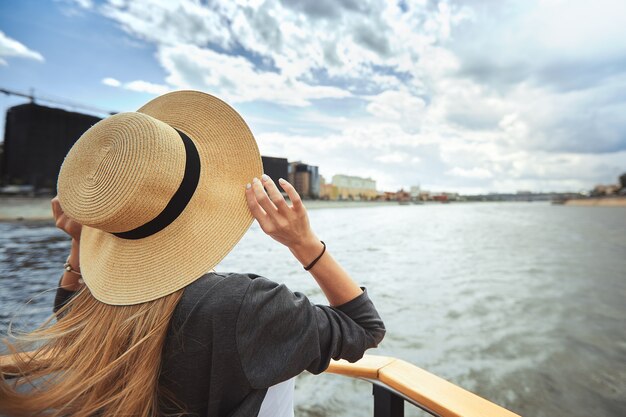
{"points": [[419, 387]]}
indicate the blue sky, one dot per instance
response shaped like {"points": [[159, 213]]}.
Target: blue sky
{"points": [[468, 96]]}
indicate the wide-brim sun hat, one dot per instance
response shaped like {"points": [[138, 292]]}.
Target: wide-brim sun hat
{"points": [[160, 193]]}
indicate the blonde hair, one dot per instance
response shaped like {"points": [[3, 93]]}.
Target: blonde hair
{"points": [[95, 359]]}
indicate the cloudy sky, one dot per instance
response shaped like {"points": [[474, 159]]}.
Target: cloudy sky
{"points": [[468, 96]]}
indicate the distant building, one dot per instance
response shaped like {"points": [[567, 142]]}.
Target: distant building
{"points": [[605, 190], [305, 178], [453, 196], [36, 140], [403, 196], [389, 195], [444, 196], [276, 168], [355, 188], [328, 191], [415, 192], [1, 160], [424, 196]]}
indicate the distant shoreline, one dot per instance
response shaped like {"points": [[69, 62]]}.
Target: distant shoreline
{"points": [[38, 208], [602, 202], [25, 208]]}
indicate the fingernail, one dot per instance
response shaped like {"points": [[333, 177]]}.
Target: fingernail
{"points": [[255, 179], [248, 185], [281, 180], [265, 177]]}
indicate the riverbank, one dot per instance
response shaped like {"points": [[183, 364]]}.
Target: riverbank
{"points": [[25, 208], [603, 202], [38, 208]]}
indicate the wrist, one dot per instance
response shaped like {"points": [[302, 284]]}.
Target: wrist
{"points": [[307, 250], [73, 263], [74, 257]]}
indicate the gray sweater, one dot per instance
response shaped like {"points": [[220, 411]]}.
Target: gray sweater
{"points": [[233, 335]]}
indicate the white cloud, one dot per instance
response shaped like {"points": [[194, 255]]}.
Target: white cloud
{"points": [[85, 4], [146, 87], [11, 48], [172, 22], [137, 86], [470, 173], [455, 94], [392, 158], [397, 105], [297, 39], [111, 82], [236, 78]]}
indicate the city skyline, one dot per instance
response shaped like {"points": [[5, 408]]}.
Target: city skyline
{"points": [[469, 97]]}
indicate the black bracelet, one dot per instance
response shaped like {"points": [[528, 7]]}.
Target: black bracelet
{"points": [[306, 268]]}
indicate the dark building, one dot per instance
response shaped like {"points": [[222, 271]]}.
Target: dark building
{"points": [[36, 139], [276, 168], [314, 175], [1, 160], [305, 179]]}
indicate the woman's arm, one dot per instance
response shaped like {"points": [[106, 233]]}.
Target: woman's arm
{"points": [[280, 333], [333, 280], [70, 282]]}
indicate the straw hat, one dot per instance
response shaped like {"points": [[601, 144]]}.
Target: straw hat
{"points": [[160, 194]]}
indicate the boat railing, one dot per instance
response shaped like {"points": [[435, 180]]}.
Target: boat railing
{"points": [[394, 382]]}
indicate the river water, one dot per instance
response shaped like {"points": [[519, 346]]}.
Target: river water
{"points": [[521, 303]]}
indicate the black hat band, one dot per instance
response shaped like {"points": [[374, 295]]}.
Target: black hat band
{"points": [[179, 200]]}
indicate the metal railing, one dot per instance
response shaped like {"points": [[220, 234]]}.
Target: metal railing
{"points": [[396, 382]]}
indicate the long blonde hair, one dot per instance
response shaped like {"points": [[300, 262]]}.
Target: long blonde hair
{"points": [[95, 359]]}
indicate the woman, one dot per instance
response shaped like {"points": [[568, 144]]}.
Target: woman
{"points": [[152, 200]]}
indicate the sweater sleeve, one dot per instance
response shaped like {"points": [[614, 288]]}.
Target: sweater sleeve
{"points": [[280, 333]]}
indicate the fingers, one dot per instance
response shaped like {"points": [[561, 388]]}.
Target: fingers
{"points": [[264, 208], [60, 222], [56, 207], [59, 217], [256, 210], [63, 222], [262, 197], [293, 194], [74, 228], [275, 196]]}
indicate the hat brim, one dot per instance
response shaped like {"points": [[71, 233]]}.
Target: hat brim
{"points": [[120, 271]]}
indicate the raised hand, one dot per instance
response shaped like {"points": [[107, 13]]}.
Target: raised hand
{"points": [[69, 226], [286, 224]]}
